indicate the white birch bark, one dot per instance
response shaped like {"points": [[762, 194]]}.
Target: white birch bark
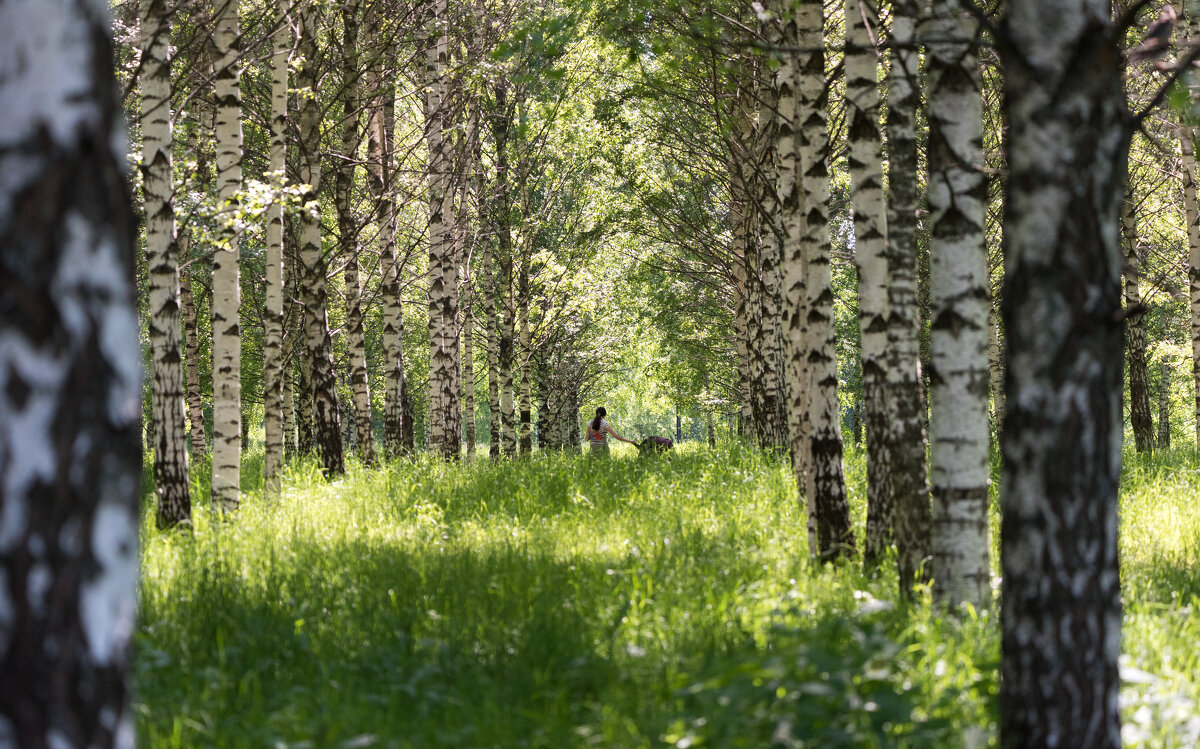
{"points": [[492, 326], [70, 384], [348, 235], [906, 420], [381, 170], [440, 232], [162, 259], [505, 309], [793, 268], [741, 313], [1068, 150], [835, 537], [1187, 144], [273, 405], [289, 411], [321, 387], [468, 369], [958, 426], [195, 402], [473, 182], [526, 393], [1135, 331], [996, 363], [226, 284], [1164, 406], [541, 378], [773, 432], [865, 156]]}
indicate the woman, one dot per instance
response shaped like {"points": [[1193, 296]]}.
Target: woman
{"points": [[597, 433]]}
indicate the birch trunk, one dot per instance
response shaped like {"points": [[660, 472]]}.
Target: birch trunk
{"points": [[958, 427], [1068, 149], [348, 241], [452, 386], [505, 311], [1164, 407], [506, 354], [793, 268], [289, 411], [751, 247], [906, 420], [774, 415], [493, 355], [441, 292], [468, 374], [380, 169], [996, 364], [865, 157], [1135, 328], [191, 337], [835, 536], [541, 376], [305, 443], [273, 418], [295, 386], [773, 431], [741, 314], [226, 299], [318, 354], [162, 260], [473, 182], [526, 446], [1187, 134], [70, 384]]}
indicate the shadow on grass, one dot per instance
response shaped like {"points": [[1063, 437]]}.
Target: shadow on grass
{"points": [[501, 648]]}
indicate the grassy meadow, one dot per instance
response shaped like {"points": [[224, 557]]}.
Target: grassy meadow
{"points": [[567, 602]]}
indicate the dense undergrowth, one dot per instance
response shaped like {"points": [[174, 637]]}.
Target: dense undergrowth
{"points": [[561, 601]]}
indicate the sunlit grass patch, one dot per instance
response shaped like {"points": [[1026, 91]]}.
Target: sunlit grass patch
{"points": [[560, 601]]}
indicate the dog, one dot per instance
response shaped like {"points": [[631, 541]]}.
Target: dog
{"points": [[654, 445]]}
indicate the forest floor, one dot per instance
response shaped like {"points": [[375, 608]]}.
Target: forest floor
{"points": [[564, 601]]}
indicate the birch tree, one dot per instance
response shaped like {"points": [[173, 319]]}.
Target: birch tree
{"points": [[70, 384], [828, 484], [793, 268], [492, 326], [441, 272], [525, 446], [321, 397], [1187, 144], [1164, 406], [1135, 331], [1068, 148], [771, 419], [958, 425], [865, 157], [742, 283], [505, 310], [187, 312], [380, 106], [273, 420], [906, 419], [226, 283], [348, 234], [162, 259]]}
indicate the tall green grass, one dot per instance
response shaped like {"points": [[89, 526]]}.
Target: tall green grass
{"points": [[564, 601]]}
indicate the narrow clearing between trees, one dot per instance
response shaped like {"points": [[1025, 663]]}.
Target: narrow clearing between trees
{"points": [[564, 601]]}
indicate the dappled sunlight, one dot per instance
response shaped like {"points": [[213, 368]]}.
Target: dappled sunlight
{"points": [[556, 596]]}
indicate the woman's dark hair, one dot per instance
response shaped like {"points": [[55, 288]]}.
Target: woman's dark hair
{"points": [[600, 414]]}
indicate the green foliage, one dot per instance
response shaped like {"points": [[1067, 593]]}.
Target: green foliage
{"points": [[564, 601], [554, 602]]}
